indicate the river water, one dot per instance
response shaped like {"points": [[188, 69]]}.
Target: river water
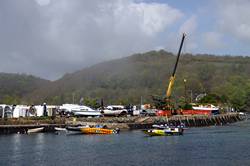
{"points": [[217, 145]]}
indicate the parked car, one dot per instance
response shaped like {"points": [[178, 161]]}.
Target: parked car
{"points": [[114, 110]]}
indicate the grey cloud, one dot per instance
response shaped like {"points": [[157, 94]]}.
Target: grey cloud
{"points": [[233, 18], [50, 39]]}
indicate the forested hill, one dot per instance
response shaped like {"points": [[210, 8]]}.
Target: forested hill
{"points": [[13, 87], [126, 80]]}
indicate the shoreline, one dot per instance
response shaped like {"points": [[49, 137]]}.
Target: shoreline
{"points": [[10, 126], [124, 123], [128, 123]]}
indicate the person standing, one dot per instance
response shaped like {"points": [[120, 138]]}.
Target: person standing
{"points": [[45, 113]]}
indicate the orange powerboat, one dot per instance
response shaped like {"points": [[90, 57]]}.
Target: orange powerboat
{"points": [[92, 130]]}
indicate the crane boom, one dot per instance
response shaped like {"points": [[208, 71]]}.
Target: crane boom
{"points": [[172, 78]]}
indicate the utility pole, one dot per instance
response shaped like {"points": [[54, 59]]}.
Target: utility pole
{"points": [[73, 97], [191, 96], [185, 90], [141, 103]]}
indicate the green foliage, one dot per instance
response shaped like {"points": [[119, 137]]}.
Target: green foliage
{"points": [[92, 102], [15, 86], [126, 80], [236, 91], [187, 106], [247, 102], [159, 102], [7, 99], [213, 99]]}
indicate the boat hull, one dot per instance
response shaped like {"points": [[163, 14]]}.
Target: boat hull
{"points": [[92, 130], [35, 130], [98, 131], [87, 113], [163, 132], [60, 129], [164, 113]]}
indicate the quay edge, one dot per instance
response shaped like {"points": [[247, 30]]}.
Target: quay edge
{"points": [[129, 123]]}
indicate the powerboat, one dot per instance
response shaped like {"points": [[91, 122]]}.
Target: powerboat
{"points": [[165, 130], [95, 130], [79, 110], [92, 130], [208, 109]]}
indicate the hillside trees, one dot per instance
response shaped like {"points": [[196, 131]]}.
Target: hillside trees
{"points": [[126, 80]]}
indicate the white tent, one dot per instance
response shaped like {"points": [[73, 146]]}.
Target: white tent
{"points": [[5, 110], [39, 110], [21, 111], [51, 109]]}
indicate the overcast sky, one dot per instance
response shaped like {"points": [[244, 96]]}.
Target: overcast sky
{"points": [[49, 38]]}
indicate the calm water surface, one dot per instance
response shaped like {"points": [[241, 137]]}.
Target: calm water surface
{"points": [[223, 145]]}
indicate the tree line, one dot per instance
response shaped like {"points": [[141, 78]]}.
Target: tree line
{"points": [[225, 79]]}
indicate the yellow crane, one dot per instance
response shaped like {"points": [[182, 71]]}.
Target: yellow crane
{"points": [[168, 110], [172, 78]]}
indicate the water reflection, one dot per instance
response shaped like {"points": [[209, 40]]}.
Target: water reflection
{"points": [[15, 147], [38, 149], [226, 145], [16, 141]]}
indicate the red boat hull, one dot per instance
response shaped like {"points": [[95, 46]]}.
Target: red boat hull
{"points": [[184, 112], [196, 112], [164, 113]]}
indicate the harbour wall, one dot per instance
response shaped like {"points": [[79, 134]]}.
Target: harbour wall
{"points": [[147, 122], [23, 129], [21, 125], [123, 123]]}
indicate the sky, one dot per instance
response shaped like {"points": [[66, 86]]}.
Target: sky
{"points": [[49, 38]]}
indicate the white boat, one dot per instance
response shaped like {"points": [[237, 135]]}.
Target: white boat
{"points": [[60, 129], [83, 112], [35, 130], [79, 110], [209, 107]]}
